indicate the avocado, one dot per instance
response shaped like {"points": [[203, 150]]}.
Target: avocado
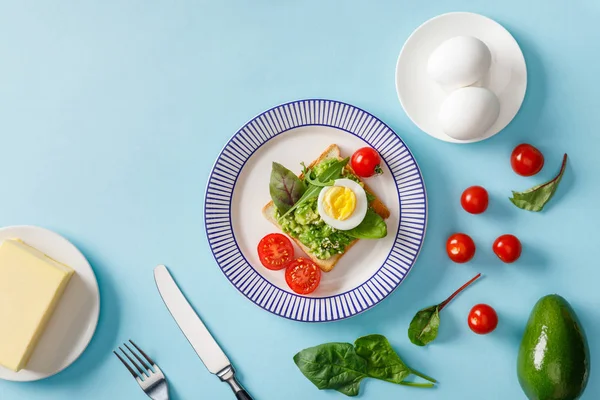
{"points": [[554, 360]]}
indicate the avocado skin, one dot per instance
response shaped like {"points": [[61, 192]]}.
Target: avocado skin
{"points": [[553, 362]]}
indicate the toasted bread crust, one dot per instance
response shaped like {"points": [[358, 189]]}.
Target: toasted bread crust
{"points": [[333, 151]]}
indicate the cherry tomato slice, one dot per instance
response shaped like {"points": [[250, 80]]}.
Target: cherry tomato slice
{"points": [[475, 200], [507, 248], [275, 251], [303, 276], [460, 248], [482, 319], [526, 160], [366, 162]]}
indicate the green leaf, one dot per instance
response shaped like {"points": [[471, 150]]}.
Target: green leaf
{"points": [[333, 172], [333, 366], [370, 197], [424, 326], [535, 199], [285, 187], [372, 227], [382, 361]]}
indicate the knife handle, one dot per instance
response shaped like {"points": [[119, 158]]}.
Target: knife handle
{"points": [[228, 375], [242, 395]]}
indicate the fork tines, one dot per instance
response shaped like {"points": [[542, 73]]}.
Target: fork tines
{"points": [[145, 366]]}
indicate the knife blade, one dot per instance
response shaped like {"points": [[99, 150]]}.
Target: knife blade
{"points": [[203, 343]]}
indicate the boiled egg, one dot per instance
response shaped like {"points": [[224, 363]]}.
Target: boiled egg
{"points": [[459, 62], [468, 113], [344, 205]]}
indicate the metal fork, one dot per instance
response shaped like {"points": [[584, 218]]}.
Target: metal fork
{"points": [[150, 377]]}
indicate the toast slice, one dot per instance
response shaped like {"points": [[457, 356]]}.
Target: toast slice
{"points": [[269, 212]]}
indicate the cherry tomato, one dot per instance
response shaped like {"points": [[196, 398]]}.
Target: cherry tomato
{"points": [[303, 276], [507, 248], [275, 251], [474, 200], [483, 319], [366, 162], [526, 160], [460, 248]]}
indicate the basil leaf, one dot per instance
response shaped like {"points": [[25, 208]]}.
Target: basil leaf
{"points": [[285, 187], [382, 361], [331, 173], [535, 199], [424, 326], [372, 227], [333, 366]]}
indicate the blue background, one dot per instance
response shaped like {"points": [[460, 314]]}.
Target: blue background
{"points": [[112, 112]]}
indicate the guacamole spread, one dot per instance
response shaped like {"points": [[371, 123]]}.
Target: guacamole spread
{"points": [[306, 225]]}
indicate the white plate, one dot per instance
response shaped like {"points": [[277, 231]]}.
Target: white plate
{"points": [[238, 189], [74, 321], [421, 97]]}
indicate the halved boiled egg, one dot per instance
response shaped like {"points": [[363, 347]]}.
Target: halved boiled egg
{"points": [[344, 205]]}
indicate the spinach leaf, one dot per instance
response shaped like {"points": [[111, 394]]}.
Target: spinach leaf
{"points": [[333, 366], [341, 366], [424, 326], [535, 199], [382, 361], [333, 172], [285, 187], [372, 227]]}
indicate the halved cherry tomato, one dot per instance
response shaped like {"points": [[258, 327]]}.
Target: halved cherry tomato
{"points": [[460, 248], [482, 319], [366, 162], [507, 248], [474, 200], [526, 160], [303, 276], [275, 251]]}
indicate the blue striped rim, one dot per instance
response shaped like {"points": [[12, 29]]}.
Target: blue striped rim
{"points": [[411, 195]]}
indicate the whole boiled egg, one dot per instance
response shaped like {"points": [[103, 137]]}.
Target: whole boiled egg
{"points": [[459, 62], [344, 205], [468, 113]]}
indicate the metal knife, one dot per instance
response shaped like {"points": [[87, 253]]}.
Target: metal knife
{"points": [[191, 325]]}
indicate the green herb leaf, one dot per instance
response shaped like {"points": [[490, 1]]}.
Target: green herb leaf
{"points": [[333, 172], [536, 198], [370, 197], [285, 187], [315, 181], [382, 361], [333, 366], [423, 328], [372, 227]]}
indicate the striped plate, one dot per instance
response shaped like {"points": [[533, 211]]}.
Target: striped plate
{"points": [[237, 190]]}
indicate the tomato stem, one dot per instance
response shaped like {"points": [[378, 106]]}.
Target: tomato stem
{"points": [[453, 295]]}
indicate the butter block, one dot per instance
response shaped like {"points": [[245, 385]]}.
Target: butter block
{"points": [[31, 284]]}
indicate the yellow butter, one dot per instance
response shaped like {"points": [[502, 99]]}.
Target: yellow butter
{"points": [[31, 284]]}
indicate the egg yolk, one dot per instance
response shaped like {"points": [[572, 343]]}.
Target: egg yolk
{"points": [[339, 202]]}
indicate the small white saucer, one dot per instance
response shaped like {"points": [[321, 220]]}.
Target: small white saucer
{"points": [[421, 97], [74, 321]]}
